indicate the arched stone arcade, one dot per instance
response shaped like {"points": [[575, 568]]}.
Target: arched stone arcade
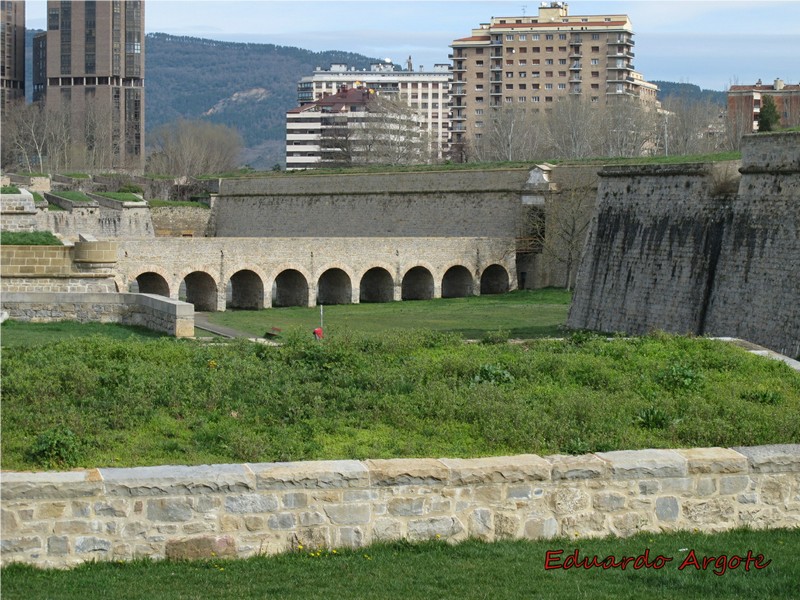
{"points": [[246, 290], [377, 285], [290, 289], [457, 283], [494, 280], [201, 290], [334, 287], [417, 284], [150, 283]]}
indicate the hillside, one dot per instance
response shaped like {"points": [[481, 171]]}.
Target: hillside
{"points": [[690, 92], [246, 86]]}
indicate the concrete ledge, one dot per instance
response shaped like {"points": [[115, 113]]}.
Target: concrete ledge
{"points": [[172, 480], [779, 458], [321, 474], [640, 464]]}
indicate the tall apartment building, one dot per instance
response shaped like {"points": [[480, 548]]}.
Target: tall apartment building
{"points": [[427, 93], [12, 53], [90, 65], [536, 61], [744, 104]]}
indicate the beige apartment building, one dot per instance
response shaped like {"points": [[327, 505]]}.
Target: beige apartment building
{"points": [[535, 61], [89, 64], [12, 53], [425, 92]]}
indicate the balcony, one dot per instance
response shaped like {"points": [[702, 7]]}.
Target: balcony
{"points": [[576, 66], [574, 78], [575, 90]]}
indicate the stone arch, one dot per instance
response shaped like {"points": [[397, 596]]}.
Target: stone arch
{"points": [[201, 290], [151, 282], [245, 289], [334, 286], [290, 288], [494, 280], [457, 282], [376, 285], [418, 284]]}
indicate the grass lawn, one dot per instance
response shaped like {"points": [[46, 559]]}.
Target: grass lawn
{"points": [[19, 334], [521, 314], [508, 569]]}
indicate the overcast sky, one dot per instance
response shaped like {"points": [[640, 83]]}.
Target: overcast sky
{"points": [[710, 43]]}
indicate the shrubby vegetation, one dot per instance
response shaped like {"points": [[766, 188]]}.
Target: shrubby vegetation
{"points": [[100, 402]]}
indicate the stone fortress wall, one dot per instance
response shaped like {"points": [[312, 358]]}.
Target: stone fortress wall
{"points": [[63, 519], [672, 248]]}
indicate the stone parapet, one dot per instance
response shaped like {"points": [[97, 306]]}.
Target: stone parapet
{"points": [[62, 519], [146, 310]]}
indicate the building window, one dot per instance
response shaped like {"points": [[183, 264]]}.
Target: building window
{"points": [[535, 37], [478, 124], [562, 86], [548, 49], [562, 36], [595, 36], [595, 61], [521, 99], [548, 86], [509, 37], [523, 37], [523, 62], [535, 99], [509, 99], [535, 74], [478, 111], [548, 61], [595, 48], [522, 73], [549, 36], [522, 86], [562, 61], [478, 75]]}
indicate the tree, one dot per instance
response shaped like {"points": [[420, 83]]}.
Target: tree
{"points": [[768, 117], [192, 148], [510, 133], [574, 128], [690, 125]]}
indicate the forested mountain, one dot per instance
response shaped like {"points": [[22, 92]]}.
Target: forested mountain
{"points": [[691, 92], [246, 86]]}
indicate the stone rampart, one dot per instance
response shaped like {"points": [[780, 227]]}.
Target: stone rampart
{"points": [[423, 204], [145, 310], [63, 519], [180, 221], [671, 248]]}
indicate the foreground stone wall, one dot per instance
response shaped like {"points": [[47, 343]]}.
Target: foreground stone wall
{"points": [[145, 310], [62, 519], [672, 248]]}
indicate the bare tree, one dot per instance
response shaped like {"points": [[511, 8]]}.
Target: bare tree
{"points": [[558, 229], [574, 128], [510, 133], [626, 128], [25, 129], [191, 148], [690, 126]]}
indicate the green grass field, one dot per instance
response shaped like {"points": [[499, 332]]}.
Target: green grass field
{"points": [[19, 334], [522, 314], [471, 570]]}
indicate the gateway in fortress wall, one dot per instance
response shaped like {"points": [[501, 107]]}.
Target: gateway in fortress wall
{"points": [[670, 248]]}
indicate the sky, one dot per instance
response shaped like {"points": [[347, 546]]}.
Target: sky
{"points": [[710, 43]]}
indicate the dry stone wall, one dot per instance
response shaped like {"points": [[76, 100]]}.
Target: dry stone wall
{"points": [[63, 519]]}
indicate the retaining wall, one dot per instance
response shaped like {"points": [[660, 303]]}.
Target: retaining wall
{"points": [[62, 519], [154, 312], [671, 248]]}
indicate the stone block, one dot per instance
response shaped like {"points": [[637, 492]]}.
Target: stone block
{"points": [[779, 458], [407, 471], [506, 525], [348, 514], [58, 545], [20, 544], [85, 545], [295, 500], [177, 480], [251, 503], [386, 529], [205, 547], [49, 485], [667, 509], [608, 501], [706, 486], [714, 460], [321, 474], [537, 529], [587, 466], [172, 509], [435, 527], [644, 464], [350, 537], [282, 521], [569, 500], [497, 469]]}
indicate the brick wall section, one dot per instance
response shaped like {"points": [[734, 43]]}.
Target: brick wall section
{"points": [[668, 251], [145, 310], [429, 204], [63, 519], [18, 211], [36, 260]]}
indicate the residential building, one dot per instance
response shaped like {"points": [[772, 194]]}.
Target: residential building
{"points": [[535, 61], [744, 104], [90, 65], [12, 53], [352, 126], [427, 93]]}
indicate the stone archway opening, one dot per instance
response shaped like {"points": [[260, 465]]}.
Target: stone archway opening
{"points": [[150, 283], [201, 290], [290, 289], [245, 290], [457, 283], [377, 285], [334, 287], [417, 284], [494, 280]]}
